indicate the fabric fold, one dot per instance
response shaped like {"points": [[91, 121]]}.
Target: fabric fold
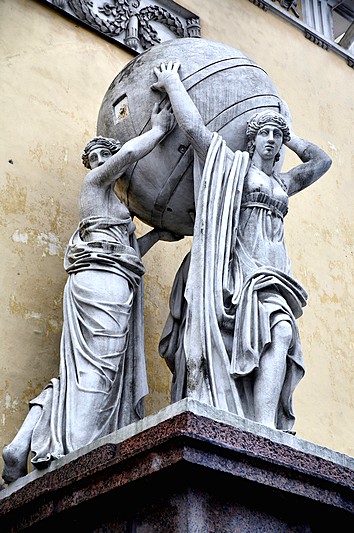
{"points": [[237, 288], [102, 380]]}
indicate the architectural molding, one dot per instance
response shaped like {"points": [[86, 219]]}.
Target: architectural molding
{"points": [[314, 38], [188, 466], [289, 5], [135, 24], [310, 33]]}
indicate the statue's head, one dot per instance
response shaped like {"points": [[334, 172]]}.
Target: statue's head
{"points": [[98, 150], [259, 122]]}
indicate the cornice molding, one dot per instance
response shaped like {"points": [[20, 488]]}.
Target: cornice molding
{"points": [[133, 24], [309, 33]]}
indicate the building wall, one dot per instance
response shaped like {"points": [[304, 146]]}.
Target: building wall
{"points": [[54, 75]]}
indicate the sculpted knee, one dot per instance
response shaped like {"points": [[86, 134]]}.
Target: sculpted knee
{"points": [[283, 331]]}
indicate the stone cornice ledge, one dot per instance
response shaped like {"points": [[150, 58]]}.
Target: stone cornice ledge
{"points": [[192, 452], [309, 33], [128, 23], [207, 412]]}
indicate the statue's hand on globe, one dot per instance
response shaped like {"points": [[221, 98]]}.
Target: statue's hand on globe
{"points": [[164, 74], [163, 117]]}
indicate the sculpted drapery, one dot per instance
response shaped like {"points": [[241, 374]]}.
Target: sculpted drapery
{"points": [[237, 286], [233, 342], [102, 377], [101, 336]]}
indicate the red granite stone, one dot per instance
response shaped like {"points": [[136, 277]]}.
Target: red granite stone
{"points": [[187, 474]]}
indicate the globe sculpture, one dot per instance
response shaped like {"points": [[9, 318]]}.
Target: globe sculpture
{"points": [[227, 88]]}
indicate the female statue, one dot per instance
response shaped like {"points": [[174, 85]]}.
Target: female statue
{"points": [[102, 377], [231, 339]]}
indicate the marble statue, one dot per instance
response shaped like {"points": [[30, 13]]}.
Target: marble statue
{"points": [[102, 377], [231, 339]]}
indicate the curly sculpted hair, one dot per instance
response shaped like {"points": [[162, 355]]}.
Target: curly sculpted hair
{"points": [[258, 121], [111, 144]]}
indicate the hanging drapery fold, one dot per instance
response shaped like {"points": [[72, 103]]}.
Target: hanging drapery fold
{"points": [[102, 359], [217, 210], [230, 292]]}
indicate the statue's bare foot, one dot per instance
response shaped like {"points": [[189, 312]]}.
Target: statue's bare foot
{"points": [[15, 462]]}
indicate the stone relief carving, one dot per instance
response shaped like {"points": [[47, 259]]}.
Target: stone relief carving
{"points": [[139, 24], [289, 5]]}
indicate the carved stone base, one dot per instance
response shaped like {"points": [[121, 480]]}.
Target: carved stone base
{"points": [[186, 470]]}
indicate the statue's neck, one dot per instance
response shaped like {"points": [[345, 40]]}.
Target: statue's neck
{"points": [[265, 165]]}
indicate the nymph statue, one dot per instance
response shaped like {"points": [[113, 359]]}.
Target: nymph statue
{"points": [[102, 378], [231, 339]]}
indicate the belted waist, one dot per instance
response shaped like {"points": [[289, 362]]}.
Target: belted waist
{"points": [[264, 201]]}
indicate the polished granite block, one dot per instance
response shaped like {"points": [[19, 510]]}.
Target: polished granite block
{"points": [[189, 468]]}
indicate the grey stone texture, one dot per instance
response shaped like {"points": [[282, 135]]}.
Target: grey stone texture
{"points": [[226, 86], [136, 25], [231, 339]]}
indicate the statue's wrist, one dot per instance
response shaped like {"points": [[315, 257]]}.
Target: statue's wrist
{"points": [[159, 130], [171, 80]]}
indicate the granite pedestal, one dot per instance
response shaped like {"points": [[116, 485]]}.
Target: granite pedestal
{"points": [[190, 468]]}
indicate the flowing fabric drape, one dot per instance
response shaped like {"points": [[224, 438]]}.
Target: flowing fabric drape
{"points": [[231, 291], [102, 377]]}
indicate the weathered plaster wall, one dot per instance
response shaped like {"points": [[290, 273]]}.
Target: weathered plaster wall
{"points": [[54, 75]]}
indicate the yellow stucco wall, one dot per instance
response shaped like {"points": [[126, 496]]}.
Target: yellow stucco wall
{"points": [[54, 74]]}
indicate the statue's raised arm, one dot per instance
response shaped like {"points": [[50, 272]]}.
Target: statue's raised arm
{"points": [[247, 356], [116, 162], [108, 160], [186, 113], [102, 377], [315, 162]]}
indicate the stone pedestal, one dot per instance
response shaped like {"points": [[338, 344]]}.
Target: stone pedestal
{"points": [[190, 468]]}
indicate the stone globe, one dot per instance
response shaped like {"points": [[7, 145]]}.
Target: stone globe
{"points": [[227, 88]]}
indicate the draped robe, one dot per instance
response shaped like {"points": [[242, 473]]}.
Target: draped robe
{"points": [[102, 377], [230, 292]]}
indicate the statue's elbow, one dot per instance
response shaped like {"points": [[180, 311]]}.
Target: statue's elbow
{"points": [[128, 155], [323, 162]]}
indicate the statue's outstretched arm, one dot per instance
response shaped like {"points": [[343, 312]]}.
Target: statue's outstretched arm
{"points": [[184, 109], [162, 121], [315, 162]]}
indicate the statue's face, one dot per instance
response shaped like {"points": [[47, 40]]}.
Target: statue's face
{"points": [[98, 155], [268, 141]]}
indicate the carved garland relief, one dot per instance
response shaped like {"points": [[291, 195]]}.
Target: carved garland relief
{"points": [[138, 24]]}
